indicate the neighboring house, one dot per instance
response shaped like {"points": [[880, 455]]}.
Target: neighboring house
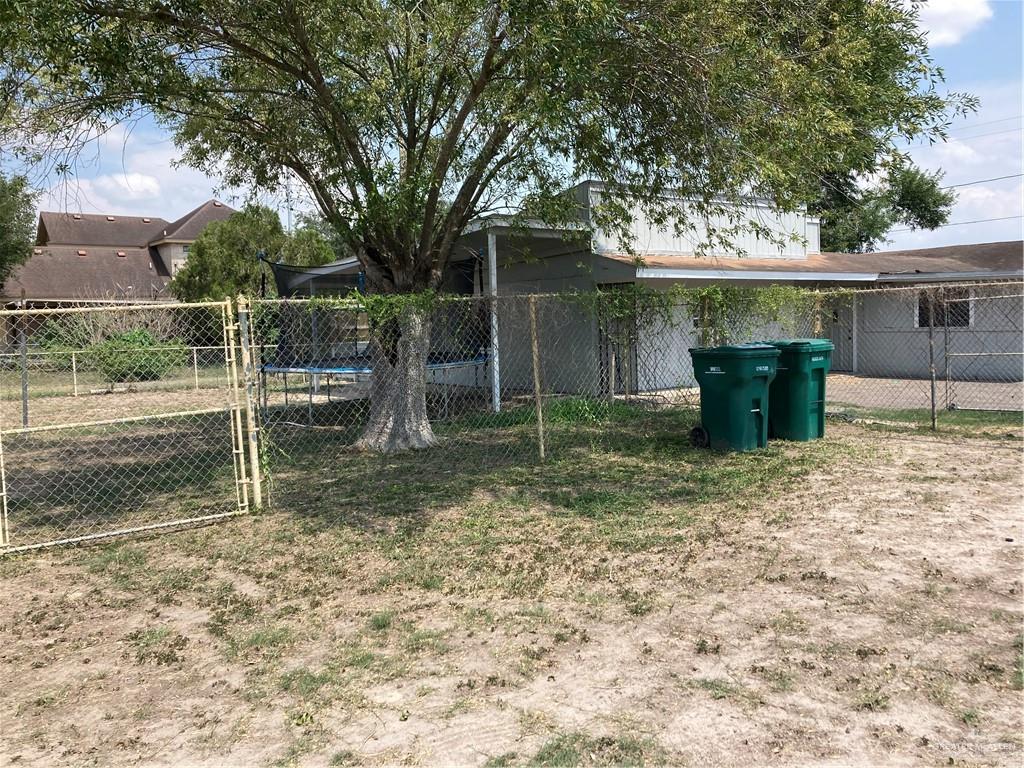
{"points": [[82, 256]]}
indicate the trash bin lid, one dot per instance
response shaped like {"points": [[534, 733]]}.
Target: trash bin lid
{"points": [[750, 349], [807, 345]]}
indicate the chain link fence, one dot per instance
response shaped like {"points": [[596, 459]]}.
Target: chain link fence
{"points": [[121, 419], [118, 419]]}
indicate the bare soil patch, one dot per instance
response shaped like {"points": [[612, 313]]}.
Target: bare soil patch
{"points": [[865, 611]]}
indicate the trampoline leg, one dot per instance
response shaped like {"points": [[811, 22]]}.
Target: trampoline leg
{"points": [[309, 416]]}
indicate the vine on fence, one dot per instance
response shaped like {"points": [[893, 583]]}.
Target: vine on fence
{"points": [[721, 313]]}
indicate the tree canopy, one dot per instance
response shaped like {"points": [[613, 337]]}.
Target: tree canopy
{"points": [[17, 223], [222, 261], [405, 120], [855, 217]]}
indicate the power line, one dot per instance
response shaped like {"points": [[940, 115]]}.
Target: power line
{"points": [[982, 181], [958, 223], [971, 126], [963, 138]]}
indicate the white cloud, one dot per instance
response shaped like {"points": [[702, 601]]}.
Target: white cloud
{"points": [[131, 173], [947, 22], [970, 156], [129, 186]]}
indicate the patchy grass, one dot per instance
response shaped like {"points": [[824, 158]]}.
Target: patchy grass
{"points": [[568, 750], [157, 644], [454, 604], [968, 423]]}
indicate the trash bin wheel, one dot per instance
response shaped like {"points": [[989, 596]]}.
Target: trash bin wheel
{"points": [[699, 437]]}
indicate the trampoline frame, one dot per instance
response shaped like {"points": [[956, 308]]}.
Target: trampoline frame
{"points": [[315, 372]]}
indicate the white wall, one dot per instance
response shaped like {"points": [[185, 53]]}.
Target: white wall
{"points": [[173, 255], [649, 238]]}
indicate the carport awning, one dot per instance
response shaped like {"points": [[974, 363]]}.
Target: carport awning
{"points": [[981, 261], [729, 274]]}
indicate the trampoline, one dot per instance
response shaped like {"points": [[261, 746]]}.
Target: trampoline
{"points": [[320, 380], [327, 349]]}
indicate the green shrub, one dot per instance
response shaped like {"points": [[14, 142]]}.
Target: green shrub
{"points": [[59, 338], [136, 356]]}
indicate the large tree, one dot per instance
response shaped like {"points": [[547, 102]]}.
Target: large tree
{"points": [[406, 119], [855, 216], [17, 223], [223, 259]]}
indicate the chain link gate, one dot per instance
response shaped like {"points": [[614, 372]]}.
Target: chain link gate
{"points": [[119, 419]]}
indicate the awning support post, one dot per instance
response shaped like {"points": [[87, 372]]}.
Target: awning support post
{"points": [[492, 279]]}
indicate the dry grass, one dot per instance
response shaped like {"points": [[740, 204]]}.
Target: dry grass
{"points": [[855, 600]]}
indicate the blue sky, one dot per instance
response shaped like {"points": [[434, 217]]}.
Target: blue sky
{"points": [[977, 42]]}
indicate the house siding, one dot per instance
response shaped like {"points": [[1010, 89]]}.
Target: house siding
{"points": [[890, 345]]}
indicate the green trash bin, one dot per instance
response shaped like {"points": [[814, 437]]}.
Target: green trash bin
{"points": [[734, 390], [798, 393]]}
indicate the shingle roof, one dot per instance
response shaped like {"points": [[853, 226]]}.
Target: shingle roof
{"points": [[974, 259], [192, 223], [97, 229], [60, 272]]}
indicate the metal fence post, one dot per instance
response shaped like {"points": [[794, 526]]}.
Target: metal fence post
{"points": [[535, 348], [945, 344], [23, 355], [74, 373], [5, 535], [931, 353], [195, 366], [249, 376]]}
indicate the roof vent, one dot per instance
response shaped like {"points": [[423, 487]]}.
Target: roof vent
{"points": [[81, 253], [146, 219], [217, 204], [121, 253], [110, 218], [76, 216]]}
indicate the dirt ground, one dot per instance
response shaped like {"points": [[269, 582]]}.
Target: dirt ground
{"points": [[867, 613]]}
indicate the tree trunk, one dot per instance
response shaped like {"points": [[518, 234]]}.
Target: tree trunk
{"points": [[398, 394]]}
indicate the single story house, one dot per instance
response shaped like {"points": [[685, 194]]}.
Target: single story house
{"points": [[97, 257], [876, 333]]}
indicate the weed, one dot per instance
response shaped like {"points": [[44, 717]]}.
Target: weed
{"points": [[501, 761], [871, 700], [706, 647], [381, 621], [420, 640], [305, 683], [1018, 667], [788, 623], [638, 603], [718, 688], [268, 642], [970, 717], [122, 563], [158, 644], [343, 758]]}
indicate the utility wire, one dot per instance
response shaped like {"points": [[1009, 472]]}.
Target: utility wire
{"points": [[958, 223], [969, 126], [963, 138], [982, 181]]}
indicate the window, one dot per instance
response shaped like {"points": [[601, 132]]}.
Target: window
{"points": [[184, 249], [952, 308]]}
